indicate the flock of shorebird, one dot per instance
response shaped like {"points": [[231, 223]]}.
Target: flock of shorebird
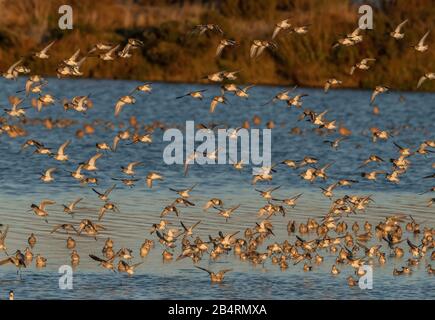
{"points": [[354, 247]]}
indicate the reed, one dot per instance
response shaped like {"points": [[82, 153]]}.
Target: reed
{"points": [[169, 55]]}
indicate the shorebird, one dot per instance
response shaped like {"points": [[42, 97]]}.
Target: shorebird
{"points": [[61, 156], [15, 111], [420, 46], [202, 28], [127, 268], [215, 277], [77, 174], [107, 264], [296, 101], [243, 92], [28, 255], [168, 209], [189, 231], [31, 240], [108, 55], [396, 33], [151, 177], [267, 194], [194, 94], [159, 226], [378, 90], [426, 76], [70, 208], [371, 158], [258, 47], [213, 202], [72, 61], [146, 87], [67, 227], [104, 196], [330, 82], [362, 65], [122, 102], [226, 213], [39, 210], [372, 175], [184, 193], [43, 53], [282, 25], [70, 243], [107, 206], [129, 170], [18, 260], [350, 39], [328, 191], [3, 235], [90, 165], [282, 96], [224, 43], [300, 29], [230, 75], [12, 73], [216, 100], [291, 202], [335, 143]]}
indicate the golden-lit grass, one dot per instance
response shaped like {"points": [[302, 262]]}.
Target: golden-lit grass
{"points": [[171, 55]]}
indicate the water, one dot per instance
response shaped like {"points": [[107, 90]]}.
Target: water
{"points": [[411, 121]]}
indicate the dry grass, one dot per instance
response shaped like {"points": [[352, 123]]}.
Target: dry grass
{"points": [[171, 56]]}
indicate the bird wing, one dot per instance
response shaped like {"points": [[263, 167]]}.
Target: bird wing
{"points": [[76, 201], [75, 55], [12, 67], [113, 49], [115, 143], [365, 60], [45, 203], [4, 233], [374, 94], [219, 49], [131, 165], [118, 107], [355, 32], [48, 46], [56, 227], [421, 42], [96, 258], [61, 150], [253, 50], [101, 213], [49, 171], [108, 191], [222, 272], [420, 81], [213, 105], [397, 30], [195, 224], [276, 31], [204, 269], [4, 261], [94, 159], [184, 227]]}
